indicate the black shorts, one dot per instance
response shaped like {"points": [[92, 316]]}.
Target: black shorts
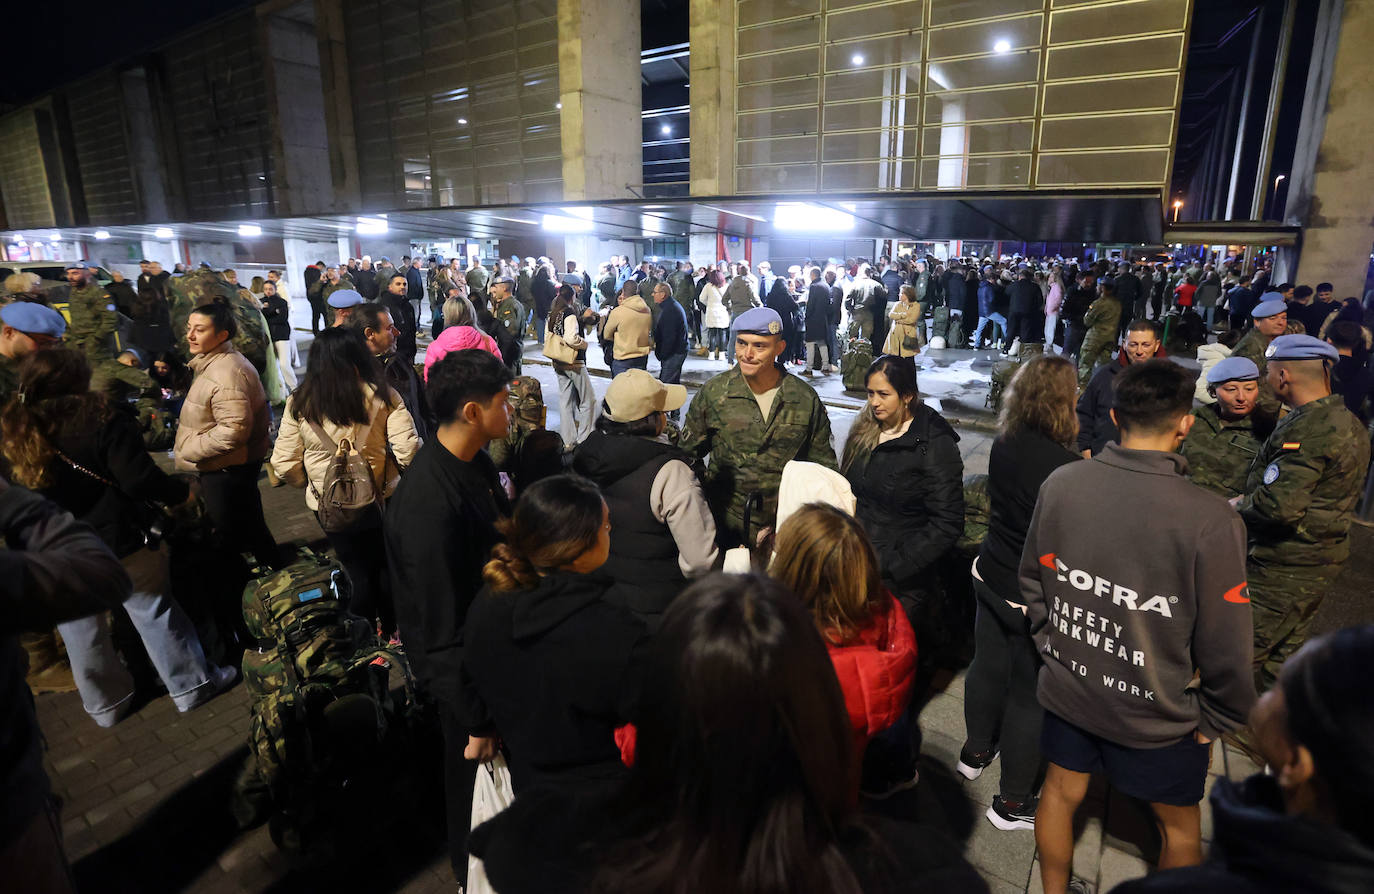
{"points": [[1174, 774]]}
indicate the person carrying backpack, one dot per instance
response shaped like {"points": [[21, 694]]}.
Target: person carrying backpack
{"points": [[345, 437]]}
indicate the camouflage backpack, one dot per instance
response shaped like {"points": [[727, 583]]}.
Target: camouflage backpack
{"points": [[977, 508], [187, 292], [854, 364], [319, 681], [529, 452], [1004, 370]]}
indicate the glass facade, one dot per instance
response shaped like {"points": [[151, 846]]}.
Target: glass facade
{"points": [[854, 95]]}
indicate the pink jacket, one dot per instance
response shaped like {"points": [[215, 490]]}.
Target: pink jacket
{"points": [[1055, 297], [458, 338]]}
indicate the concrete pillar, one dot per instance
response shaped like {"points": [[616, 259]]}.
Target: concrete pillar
{"points": [[1338, 229], [712, 113], [599, 88]]}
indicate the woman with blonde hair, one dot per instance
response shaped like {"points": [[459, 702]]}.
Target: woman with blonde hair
{"points": [[549, 665], [1037, 426], [824, 557]]}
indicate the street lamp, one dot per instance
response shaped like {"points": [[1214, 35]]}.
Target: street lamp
{"points": [[1178, 203], [1273, 199]]}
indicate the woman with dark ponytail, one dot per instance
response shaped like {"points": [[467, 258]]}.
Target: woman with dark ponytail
{"points": [[549, 666]]}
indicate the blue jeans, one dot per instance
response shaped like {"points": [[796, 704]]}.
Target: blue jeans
{"points": [[670, 373], [166, 631], [993, 317], [619, 366]]}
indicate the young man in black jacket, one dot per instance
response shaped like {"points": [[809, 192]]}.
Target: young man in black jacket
{"points": [[1096, 427], [440, 528], [1146, 642]]}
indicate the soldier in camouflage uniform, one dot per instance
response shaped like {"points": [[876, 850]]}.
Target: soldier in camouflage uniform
{"points": [[477, 277], [92, 315], [330, 283], [528, 415], [254, 341], [1223, 442], [507, 310], [25, 327], [1299, 500], [751, 421], [1271, 319], [1102, 322]]}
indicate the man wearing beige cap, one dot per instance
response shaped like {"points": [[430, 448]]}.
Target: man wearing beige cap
{"points": [[662, 531]]}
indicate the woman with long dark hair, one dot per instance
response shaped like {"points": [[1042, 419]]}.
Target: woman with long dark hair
{"points": [[716, 317], [576, 400], [344, 396], [549, 661], [780, 299], [1038, 427], [544, 292], [739, 781], [86, 454]]}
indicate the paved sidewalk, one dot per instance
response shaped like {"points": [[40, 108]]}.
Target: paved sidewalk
{"points": [[146, 803]]}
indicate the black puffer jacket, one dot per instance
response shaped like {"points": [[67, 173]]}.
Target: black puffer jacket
{"points": [[910, 495]]}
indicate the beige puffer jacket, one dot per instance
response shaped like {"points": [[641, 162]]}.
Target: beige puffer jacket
{"points": [[300, 454], [629, 325], [224, 420]]}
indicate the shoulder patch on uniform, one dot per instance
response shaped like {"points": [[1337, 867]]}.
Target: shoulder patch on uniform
{"points": [[1290, 445], [1271, 473], [109, 307]]}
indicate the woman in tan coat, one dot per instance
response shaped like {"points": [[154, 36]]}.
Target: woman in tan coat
{"points": [[904, 338], [344, 396]]}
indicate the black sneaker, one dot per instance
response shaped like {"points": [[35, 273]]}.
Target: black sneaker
{"points": [[972, 763], [877, 786], [1012, 815]]}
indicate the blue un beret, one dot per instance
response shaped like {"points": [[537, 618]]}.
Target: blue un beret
{"points": [[1300, 347], [1269, 307], [758, 321], [344, 298], [33, 319], [1233, 369]]}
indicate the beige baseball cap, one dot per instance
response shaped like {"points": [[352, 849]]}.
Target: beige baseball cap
{"points": [[635, 394]]}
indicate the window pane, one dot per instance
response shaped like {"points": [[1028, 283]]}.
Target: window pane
{"points": [[869, 175], [1118, 20], [897, 49], [1010, 136], [793, 64], [785, 123], [991, 71], [1082, 97], [804, 91], [980, 37], [1120, 57], [985, 105], [1108, 131], [964, 173], [870, 144], [754, 12], [796, 33], [776, 178], [904, 16], [1144, 168], [872, 114], [944, 12], [873, 84], [785, 151]]}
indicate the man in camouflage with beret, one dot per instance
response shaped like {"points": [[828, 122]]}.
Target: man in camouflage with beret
{"points": [[1223, 441], [751, 421], [92, 312], [1299, 500], [1271, 320]]}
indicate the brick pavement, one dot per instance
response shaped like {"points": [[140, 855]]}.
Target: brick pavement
{"points": [[146, 803]]}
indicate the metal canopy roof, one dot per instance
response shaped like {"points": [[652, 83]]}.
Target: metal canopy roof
{"points": [[1125, 215]]}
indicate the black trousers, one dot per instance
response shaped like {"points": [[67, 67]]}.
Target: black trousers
{"points": [[1000, 706], [363, 557], [459, 776], [319, 320], [234, 504]]}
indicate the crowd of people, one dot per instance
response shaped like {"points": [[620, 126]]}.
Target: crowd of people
{"points": [[670, 725]]}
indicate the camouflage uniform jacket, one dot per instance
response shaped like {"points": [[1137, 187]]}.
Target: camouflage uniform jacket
{"points": [[524, 287], [1220, 451], [1303, 486], [1252, 346], [477, 278], [747, 452], [93, 319], [509, 313], [1102, 321]]}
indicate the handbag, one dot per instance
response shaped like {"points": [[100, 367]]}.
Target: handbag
{"points": [[555, 348], [153, 519], [491, 794]]}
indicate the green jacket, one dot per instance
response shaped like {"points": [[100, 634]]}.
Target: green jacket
{"points": [[1220, 451], [93, 319], [1252, 346], [477, 278], [1303, 487], [509, 313], [747, 452]]}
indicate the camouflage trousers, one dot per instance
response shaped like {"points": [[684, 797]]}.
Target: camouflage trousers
{"points": [[1091, 354], [1283, 599]]}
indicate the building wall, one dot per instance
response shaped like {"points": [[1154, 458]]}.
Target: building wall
{"points": [[99, 137], [836, 95], [23, 176], [455, 101]]}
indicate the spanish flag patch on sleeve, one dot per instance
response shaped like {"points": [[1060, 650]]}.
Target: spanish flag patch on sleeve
{"points": [[1291, 445]]}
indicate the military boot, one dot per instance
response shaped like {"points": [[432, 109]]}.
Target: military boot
{"points": [[49, 670]]}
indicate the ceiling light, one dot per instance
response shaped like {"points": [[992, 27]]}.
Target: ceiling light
{"points": [[250, 230], [371, 226], [558, 105], [163, 232], [666, 130], [54, 236], [1002, 46], [519, 220], [573, 220], [737, 213], [805, 216], [102, 234], [462, 121], [856, 59]]}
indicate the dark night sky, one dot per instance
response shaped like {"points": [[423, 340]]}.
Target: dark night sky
{"points": [[65, 39]]}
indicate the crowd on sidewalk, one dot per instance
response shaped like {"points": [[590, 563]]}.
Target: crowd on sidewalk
{"points": [[698, 633]]}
